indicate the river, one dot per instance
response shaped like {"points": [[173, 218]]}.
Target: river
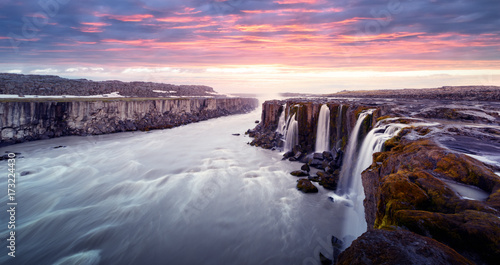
{"points": [[194, 194]]}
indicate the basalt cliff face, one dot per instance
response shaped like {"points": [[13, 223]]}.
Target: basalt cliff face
{"points": [[31, 120], [430, 196]]}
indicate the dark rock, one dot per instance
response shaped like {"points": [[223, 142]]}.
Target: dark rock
{"points": [[288, 154], [318, 156], [256, 121], [236, 134], [299, 173], [327, 156], [306, 168], [398, 247], [324, 260], [306, 186], [298, 155], [24, 173], [60, 146], [316, 163]]}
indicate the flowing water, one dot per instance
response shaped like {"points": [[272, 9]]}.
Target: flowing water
{"points": [[323, 130], [292, 134], [189, 195]]}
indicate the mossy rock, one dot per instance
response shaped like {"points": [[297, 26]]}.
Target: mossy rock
{"points": [[306, 186], [407, 192]]}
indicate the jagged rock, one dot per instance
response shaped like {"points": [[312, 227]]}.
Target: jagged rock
{"points": [[398, 247], [306, 186], [299, 173]]}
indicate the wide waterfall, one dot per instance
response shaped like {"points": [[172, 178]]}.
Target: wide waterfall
{"points": [[347, 176], [323, 131], [292, 134]]}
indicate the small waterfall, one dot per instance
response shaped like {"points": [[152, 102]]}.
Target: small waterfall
{"points": [[281, 123], [323, 131], [338, 124], [292, 134], [348, 167]]}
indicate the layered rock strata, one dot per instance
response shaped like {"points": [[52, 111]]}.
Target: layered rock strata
{"points": [[32, 119]]}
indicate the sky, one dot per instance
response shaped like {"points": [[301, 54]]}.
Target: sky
{"points": [[309, 46]]}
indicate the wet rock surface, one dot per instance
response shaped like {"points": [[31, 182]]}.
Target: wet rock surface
{"points": [[398, 247]]}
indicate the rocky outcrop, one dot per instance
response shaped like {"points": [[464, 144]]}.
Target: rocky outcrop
{"points": [[32, 120], [404, 189], [398, 247]]}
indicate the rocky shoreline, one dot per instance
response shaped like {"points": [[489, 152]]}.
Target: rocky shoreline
{"points": [[35, 119], [414, 214]]}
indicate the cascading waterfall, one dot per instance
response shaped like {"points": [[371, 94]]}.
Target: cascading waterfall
{"points": [[373, 142], [323, 131], [354, 165], [339, 124], [348, 166], [281, 123], [292, 134]]}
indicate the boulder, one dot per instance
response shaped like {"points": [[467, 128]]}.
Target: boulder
{"points": [[306, 186], [299, 173]]}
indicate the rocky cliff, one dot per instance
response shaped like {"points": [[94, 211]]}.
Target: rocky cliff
{"points": [[41, 119]]}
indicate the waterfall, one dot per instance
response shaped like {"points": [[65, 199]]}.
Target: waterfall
{"points": [[347, 176], [292, 134], [323, 131], [373, 142], [281, 123], [338, 124]]}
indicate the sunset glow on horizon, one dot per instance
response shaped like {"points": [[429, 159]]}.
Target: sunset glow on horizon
{"points": [[315, 46]]}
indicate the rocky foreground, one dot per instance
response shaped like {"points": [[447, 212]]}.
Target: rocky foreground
{"points": [[415, 213]]}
